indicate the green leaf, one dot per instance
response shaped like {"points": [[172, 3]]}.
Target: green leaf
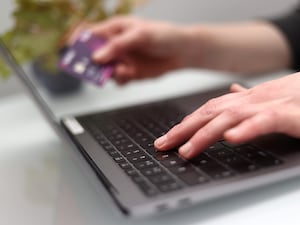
{"points": [[39, 25], [4, 70]]}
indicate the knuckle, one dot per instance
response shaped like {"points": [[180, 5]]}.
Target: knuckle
{"points": [[210, 107], [233, 111], [273, 116], [142, 31], [252, 125], [266, 121], [186, 117]]}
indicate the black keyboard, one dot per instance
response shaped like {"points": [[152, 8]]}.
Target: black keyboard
{"points": [[128, 136]]}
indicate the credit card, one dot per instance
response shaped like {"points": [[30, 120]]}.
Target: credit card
{"points": [[77, 61]]}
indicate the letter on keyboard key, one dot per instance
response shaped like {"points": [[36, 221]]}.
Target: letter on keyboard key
{"points": [[145, 164], [152, 171], [173, 162]]}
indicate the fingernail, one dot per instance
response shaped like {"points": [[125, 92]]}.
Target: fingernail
{"points": [[160, 142], [186, 149]]}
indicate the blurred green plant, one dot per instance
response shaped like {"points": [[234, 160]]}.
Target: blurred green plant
{"points": [[40, 26]]}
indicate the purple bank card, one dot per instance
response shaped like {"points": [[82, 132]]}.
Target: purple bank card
{"points": [[76, 60]]}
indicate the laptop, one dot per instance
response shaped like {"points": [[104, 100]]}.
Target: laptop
{"points": [[117, 145]]}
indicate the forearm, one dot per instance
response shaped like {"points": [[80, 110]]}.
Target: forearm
{"points": [[247, 48]]}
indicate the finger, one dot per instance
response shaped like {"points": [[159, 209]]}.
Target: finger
{"points": [[269, 119], [119, 45], [189, 126], [213, 131], [262, 123], [111, 27], [217, 126], [218, 105], [237, 88]]}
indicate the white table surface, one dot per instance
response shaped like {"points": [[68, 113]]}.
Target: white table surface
{"points": [[40, 184]]}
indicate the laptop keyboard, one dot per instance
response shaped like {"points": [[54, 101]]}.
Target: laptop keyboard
{"points": [[128, 136]]}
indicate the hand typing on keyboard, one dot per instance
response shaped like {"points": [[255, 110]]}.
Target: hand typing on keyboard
{"points": [[272, 107], [127, 136]]}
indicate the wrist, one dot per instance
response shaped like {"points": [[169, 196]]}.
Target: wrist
{"points": [[248, 48], [198, 47]]}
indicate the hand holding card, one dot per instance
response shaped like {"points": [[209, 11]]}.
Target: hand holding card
{"points": [[77, 60]]}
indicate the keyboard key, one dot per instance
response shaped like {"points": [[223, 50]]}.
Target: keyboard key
{"points": [[145, 142], [151, 151], [220, 153], [156, 170], [145, 164], [121, 142], [193, 178], [182, 169], [114, 153], [139, 157], [202, 160], [160, 156], [237, 163], [108, 147], [128, 146], [231, 145], [101, 140], [259, 157], [125, 165], [131, 172], [148, 189], [173, 162], [158, 132], [138, 179], [214, 147], [216, 171], [144, 185], [132, 152], [170, 186], [119, 159], [162, 178]]}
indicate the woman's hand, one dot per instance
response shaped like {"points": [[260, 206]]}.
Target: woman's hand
{"points": [[244, 114], [143, 49], [140, 48]]}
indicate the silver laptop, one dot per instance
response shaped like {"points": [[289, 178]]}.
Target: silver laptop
{"points": [[117, 145]]}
